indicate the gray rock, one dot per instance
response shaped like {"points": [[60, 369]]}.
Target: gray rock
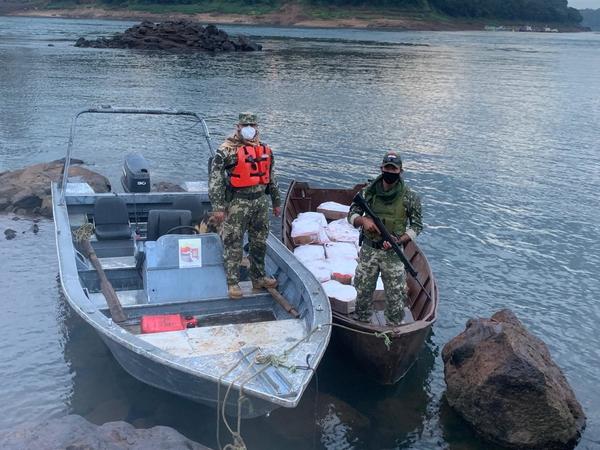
{"points": [[166, 186], [172, 35], [503, 381], [9, 234], [27, 191], [74, 432]]}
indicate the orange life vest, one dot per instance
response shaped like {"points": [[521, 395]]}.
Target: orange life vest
{"points": [[253, 166]]}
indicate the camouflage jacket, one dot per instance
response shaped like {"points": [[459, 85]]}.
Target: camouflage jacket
{"points": [[412, 204], [219, 189]]}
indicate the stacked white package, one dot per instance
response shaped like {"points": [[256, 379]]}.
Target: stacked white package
{"points": [[337, 250], [333, 210], [341, 296], [308, 253], [342, 269], [320, 269], [309, 228], [341, 231]]}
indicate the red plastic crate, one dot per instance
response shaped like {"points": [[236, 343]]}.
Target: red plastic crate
{"points": [[167, 322]]}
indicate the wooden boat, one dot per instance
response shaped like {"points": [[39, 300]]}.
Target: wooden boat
{"points": [[249, 349], [385, 362]]}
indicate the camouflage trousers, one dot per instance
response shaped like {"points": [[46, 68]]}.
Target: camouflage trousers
{"points": [[371, 262], [251, 216]]}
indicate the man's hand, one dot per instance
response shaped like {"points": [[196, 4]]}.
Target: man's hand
{"points": [[404, 239], [277, 211], [219, 216], [367, 224]]}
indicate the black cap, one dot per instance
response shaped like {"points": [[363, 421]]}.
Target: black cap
{"points": [[392, 158]]}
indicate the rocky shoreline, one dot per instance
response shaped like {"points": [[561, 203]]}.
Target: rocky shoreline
{"points": [[74, 432], [290, 15]]}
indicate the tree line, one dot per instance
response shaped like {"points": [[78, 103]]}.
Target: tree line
{"points": [[532, 10], [591, 18]]}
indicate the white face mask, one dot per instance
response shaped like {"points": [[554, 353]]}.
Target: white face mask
{"points": [[248, 133]]}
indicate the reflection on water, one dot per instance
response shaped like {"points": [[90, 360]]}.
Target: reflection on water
{"points": [[498, 132]]}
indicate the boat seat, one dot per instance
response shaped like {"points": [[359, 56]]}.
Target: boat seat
{"points": [[111, 219], [194, 205], [161, 221]]}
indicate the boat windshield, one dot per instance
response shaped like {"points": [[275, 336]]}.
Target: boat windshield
{"points": [[176, 144]]}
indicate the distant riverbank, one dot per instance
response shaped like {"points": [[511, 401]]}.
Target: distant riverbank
{"points": [[289, 15]]}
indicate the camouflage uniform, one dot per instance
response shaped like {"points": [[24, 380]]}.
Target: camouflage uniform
{"points": [[242, 214], [373, 261]]}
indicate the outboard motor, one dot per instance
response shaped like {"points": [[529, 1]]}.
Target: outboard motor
{"points": [[136, 173]]}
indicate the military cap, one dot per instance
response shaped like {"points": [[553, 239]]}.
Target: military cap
{"points": [[248, 118], [392, 158]]}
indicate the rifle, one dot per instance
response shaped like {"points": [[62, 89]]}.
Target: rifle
{"points": [[387, 236]]}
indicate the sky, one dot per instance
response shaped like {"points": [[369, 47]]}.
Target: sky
{"points": [[582, 4]]}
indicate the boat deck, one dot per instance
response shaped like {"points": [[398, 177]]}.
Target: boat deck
{"points": [[229, 338]]}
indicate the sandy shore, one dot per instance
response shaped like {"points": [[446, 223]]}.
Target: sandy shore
{"points": [[289, 16]]}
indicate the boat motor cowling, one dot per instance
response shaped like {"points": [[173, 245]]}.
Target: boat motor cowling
{"points": [[136, 173]]}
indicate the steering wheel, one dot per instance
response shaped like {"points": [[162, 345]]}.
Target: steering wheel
{"points": [[183, 227]]}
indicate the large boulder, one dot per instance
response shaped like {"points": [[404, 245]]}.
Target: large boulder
{"points": [[174, 36], [74, 432], [503, 381], [28, 190]]}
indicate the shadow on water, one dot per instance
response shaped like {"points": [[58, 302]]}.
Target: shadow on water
{"points": [[341, 409]]}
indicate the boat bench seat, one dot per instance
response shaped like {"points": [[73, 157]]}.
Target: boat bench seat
{"points": [[168, 221], [111, 219]]}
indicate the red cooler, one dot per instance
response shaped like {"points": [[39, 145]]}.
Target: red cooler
{"points": [[167, 322]]}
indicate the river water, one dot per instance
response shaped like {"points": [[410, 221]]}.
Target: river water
{"points": [[499, 133]]}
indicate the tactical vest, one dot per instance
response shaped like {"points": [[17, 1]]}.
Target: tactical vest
{"points": [[253, 166], [392, 214]]}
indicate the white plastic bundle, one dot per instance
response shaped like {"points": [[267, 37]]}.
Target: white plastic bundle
{"points": [[308, 253], [319, 269], [309, 228], [343, 268], [333, 210], [337, 250], [339, 291], [341, 231]]}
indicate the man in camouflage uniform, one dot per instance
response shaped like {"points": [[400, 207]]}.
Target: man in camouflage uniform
{"points": [[242, 209], [399, 208]]}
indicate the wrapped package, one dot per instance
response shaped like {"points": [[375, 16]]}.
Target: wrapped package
{"points": [[319, 269], [333, 210], [341, 231], [341, 296], [308, 253], [337, 250], [309, 228], [342, 269]]}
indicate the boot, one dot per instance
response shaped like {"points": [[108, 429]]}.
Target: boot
{"points": [[234, 291], [264, 283]]}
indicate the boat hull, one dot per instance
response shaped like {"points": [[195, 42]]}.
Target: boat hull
{"points": [[184, 384], [385, 364]]}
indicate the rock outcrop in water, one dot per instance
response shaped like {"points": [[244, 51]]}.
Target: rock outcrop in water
{"points": [[173, 35], [27, 191], [74, 432], [503, 381]]}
